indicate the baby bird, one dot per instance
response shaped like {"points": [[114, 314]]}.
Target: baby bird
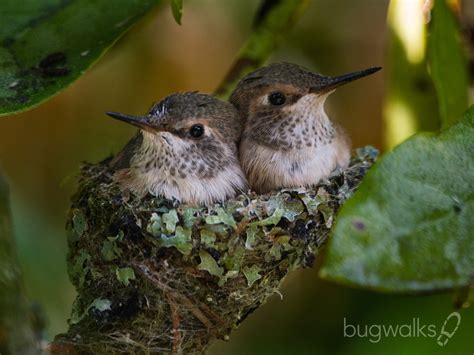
{"points": [[288, 140], [187, 150]]}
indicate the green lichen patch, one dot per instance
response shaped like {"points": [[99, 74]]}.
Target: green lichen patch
{"points": [[125, 274], [209, 264], [173, 272], [181, 240], [170, 219], [99, 304], [252, 274], [79, 224]]}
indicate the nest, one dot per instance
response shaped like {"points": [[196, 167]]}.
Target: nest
{"points": [[155, 276]]}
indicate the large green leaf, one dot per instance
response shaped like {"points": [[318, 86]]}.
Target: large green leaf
{"points": [[410, 225], [448, 63], [45, 45]]}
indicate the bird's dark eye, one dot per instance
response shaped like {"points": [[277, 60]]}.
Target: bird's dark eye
{"points": [[277, 98], [196, 131]]}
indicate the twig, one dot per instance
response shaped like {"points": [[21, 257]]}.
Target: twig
{"points": [[272, 21], [175, 319]]}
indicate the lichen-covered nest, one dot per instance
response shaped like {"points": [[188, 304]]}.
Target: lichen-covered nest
{"points": [[156, 276]]}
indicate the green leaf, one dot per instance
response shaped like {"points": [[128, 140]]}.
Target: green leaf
{"points": [[46, 45], [209, 264], [177, 10], [181, 240], [252, 274], [124, 275], [448, 63], [409, 227]]}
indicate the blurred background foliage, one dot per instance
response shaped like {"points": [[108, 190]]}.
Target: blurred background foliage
{"points": [[41, 150]]}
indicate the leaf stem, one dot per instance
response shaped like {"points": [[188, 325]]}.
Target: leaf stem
{"points": [[273, 20]]}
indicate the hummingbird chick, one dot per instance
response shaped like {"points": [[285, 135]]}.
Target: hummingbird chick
{"points": [[187, 150], [288, 139]]}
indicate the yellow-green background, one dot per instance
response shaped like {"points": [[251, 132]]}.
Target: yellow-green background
{"points": [[41, 150]]}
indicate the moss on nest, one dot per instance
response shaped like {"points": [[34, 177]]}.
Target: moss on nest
{"points": [[156, 276]]}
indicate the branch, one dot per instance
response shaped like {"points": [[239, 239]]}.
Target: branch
{"points": [[16, 328], [410, 102], [273, 20]]}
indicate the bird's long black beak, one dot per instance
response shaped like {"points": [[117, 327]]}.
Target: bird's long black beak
{"points": [[331, 83], [140, 122]]}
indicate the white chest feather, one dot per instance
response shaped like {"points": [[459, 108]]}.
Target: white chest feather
{"points": [[312, 150], [190, 189], [170, 174], [268, 169]]}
